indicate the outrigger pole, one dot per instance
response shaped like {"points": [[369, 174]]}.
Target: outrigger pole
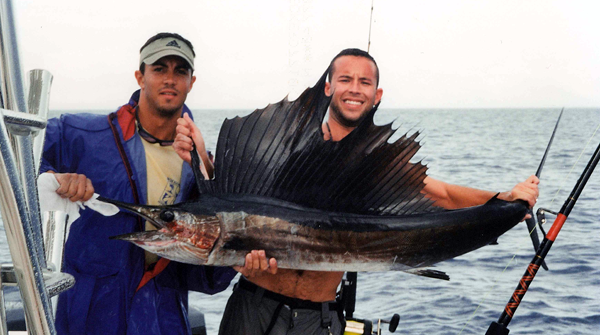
{"points": [[500, 327], [370, 23]]}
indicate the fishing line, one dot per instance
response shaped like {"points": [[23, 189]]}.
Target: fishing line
{"points": [[538, 224], [573, 167], [515, 255], [486, 294], [562, 183]]}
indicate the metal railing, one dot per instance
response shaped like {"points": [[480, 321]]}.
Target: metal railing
{"points": [[34, 269]]}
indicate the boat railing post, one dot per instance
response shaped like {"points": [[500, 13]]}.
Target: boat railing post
{"points": [[21, 139], [55, 235], [3, 324], [27, 269], [53, 223], [38, 101], [19, 201], [29, 155]]}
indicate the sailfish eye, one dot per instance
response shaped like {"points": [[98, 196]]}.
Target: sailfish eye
{"points": [[167, 215]]}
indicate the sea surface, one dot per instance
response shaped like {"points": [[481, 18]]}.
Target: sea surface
{"points": [[491, 149]]}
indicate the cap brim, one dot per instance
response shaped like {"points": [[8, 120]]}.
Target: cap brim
{"points": [[163, 53]]}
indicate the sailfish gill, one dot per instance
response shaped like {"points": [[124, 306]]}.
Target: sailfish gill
{"points": [[352, 205]]}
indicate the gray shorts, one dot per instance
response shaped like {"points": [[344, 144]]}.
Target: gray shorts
{"points": [[252, 310]]}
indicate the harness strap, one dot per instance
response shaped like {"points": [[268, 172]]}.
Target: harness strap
{"points": [[325, 316], [258, 294], [128, 168], [274, 318], [163, 262]]}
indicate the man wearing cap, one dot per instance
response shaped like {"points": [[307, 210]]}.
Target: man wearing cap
{"points": [[128, 156]]}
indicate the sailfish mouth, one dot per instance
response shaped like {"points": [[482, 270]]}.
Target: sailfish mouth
{"points": [[180, 235], [152, 238], [158, 216]]}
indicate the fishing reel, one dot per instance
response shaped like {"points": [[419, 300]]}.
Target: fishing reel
{"points": [[365, 327], [347, 297], [541, 217]]}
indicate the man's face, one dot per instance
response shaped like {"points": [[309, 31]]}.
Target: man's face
{"points": [[165, 85], [354, 88]]}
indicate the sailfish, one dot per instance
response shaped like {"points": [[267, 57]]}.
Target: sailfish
{"points": [[313, 204]]}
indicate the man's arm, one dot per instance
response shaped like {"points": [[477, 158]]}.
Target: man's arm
{"points": [[73, 186], [451, 196]]}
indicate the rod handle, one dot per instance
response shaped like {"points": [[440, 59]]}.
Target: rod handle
{"points": [[497, 329]]}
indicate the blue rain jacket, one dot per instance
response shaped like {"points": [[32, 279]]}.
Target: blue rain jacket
{"points": [[107, 272]]}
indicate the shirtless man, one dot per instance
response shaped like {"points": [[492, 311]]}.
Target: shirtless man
{"points": [[284, 301]]}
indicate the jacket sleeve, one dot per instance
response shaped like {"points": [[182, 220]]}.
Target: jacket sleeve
{"points": [[205, 279], [51, 156]]}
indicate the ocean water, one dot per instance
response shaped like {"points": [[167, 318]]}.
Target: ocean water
{"points": [[491, 149]]}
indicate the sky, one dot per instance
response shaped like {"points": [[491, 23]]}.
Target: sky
{"points": [[431, 54]]}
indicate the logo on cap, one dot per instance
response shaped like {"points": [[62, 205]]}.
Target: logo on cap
{"points": [[163, 47], [173, 43]]}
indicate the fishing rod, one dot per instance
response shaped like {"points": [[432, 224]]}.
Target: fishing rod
{"points": [[370, 23], [531, 223], [348, 290], [500, 327]]}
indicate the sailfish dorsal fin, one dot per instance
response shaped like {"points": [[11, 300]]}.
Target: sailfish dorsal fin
{"points": [[279, 152]]}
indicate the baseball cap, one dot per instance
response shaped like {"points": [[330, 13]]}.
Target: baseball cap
{"points": [[168, 46]]}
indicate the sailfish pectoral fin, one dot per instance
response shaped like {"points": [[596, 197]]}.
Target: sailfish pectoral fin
{"points": [[429, 273]]}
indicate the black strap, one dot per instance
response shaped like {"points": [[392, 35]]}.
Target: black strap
{"points": [[349, 293], [274, 318], [128, 168], [325, 316], [340, 313]]}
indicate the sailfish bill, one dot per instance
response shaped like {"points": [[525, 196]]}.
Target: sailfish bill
{"points": [[352, 205]]}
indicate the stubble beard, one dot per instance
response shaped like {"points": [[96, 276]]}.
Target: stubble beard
{"points": [[344, 121], [168, 113], [161, 110]]}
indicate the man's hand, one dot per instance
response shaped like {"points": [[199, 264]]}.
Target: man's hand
{"points": [[526, 191], [187, 131], [257, 265], [183, 139], [75, 187]]}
